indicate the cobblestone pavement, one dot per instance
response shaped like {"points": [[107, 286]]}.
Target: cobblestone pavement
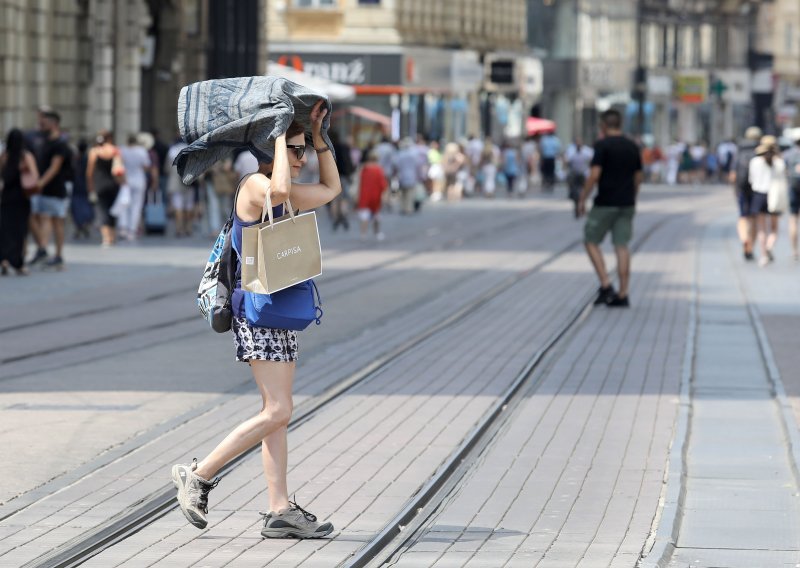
{"points": [[112, 359]]}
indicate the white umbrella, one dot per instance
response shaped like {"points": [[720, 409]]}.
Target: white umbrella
{"points": [[336, 92]]}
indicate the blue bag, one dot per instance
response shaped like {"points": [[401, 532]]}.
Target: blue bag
{"points": [[291, 308]]}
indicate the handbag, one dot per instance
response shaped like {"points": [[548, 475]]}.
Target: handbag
{"points": [[778, 195], [282, 252], [292, 308], [122, 201]]}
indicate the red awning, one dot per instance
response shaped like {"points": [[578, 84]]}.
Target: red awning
{"points": [[536, 125], [366, 114]]}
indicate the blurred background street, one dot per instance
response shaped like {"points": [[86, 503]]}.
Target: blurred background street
{"points": [[471, 398]]}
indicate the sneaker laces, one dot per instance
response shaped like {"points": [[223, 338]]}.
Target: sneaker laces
{"points": [[309, 517], [205, 487]]}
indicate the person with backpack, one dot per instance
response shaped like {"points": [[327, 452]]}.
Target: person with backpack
{"points": [[271, 353], [740, 179], [49, 207]]}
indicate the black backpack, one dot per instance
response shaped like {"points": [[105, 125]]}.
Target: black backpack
{"points": [[746, 153]]}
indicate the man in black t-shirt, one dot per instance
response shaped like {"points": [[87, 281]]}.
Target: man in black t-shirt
{"points": [[49, 207], [617, 172]]}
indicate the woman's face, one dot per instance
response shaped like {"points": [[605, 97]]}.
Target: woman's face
{"points": [[293, 144]]}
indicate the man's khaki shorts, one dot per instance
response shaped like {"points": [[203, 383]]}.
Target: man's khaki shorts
{"points": [[601, 220]]}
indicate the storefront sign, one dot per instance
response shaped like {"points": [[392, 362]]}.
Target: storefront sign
{"points": [[531, 77], [347, 68], [605, 76], [659, 85], [466, 72], [733, 84], [691, 88]]}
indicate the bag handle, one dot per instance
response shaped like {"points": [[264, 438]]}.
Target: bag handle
{"points": [[266, 210]]}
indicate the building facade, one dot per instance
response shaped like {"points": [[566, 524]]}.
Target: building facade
{"points": [[777, 49], [420, 64], [588, 51], [677, 69], [120, 64]]}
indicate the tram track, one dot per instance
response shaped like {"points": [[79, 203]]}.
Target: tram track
{"points": [[157, 504], [409, 521], [150, 509], [450, 244], [183, 291]]}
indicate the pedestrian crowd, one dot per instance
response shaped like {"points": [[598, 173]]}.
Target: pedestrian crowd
{"points": [[51, 182]]}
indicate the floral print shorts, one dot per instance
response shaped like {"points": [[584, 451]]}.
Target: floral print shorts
{"points": [[263, 343]]}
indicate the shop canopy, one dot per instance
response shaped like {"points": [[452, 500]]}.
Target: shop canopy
{"points": [[336, 92], [536, 126], [366, 114]]}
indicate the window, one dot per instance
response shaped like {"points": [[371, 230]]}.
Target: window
{"points": [[368, 2], [314, 3], [788, 38], [708, 39]]}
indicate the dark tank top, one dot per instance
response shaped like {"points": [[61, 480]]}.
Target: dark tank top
{"points": [[237, 296], [103, 180]]}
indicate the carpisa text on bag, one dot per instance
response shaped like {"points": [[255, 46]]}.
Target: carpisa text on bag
{"points": [[284, 253]]}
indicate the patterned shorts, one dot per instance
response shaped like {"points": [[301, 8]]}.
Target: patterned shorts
{"points": [[263, 343]]}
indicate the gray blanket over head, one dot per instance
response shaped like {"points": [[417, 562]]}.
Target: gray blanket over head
{"points": [[215, 117]]}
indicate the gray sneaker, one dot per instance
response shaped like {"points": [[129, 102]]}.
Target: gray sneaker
{"points": [[294, 522], [192, 493]]}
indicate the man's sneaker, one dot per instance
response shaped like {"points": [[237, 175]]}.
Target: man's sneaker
{"points": [[192, 493], [40, 255], [55, 263], [617, 302], [604, 295], [294, 522]]}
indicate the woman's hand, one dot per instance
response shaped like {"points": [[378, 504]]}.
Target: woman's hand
{"points": [[318, 112]]}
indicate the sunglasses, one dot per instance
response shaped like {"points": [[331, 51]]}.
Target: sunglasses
{"points": [[299, 150]]}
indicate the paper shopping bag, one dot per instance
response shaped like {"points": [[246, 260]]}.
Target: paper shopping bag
{"points": [[281, 252]]}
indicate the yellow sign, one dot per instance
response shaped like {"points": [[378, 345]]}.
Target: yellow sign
{"points": [[691, 88]]}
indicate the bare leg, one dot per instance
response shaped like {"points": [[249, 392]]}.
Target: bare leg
{"points": [[274, 381], [58, 230], [743, 227], [45, 223], [772, 227], [761, 237], [275, 457], [624, 270], [36, 230], [599, 264], [107, 232], [178, 222], [793, 234]]}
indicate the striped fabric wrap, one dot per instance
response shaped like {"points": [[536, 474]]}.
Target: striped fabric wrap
{"points": [[216, 117]]}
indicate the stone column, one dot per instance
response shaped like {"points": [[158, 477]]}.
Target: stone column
{"points": [[100, 110]]}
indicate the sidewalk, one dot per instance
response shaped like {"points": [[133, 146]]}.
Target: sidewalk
{"points": [[576, 475], [742, 502]]}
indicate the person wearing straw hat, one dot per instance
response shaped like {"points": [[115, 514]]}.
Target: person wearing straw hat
{"points": [[766, 168]]}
